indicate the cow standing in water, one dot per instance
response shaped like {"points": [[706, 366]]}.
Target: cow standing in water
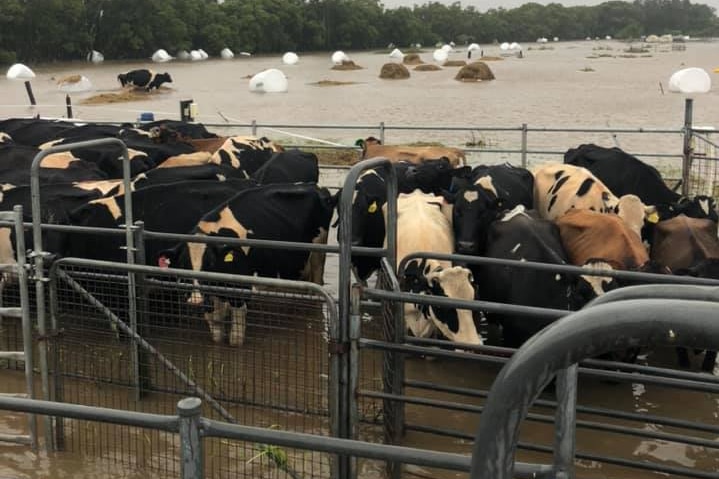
{"points": [[144, 78], [423, 225]]}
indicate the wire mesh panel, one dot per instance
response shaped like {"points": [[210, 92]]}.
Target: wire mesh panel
{"points": [[264, 363], [704, 170]]}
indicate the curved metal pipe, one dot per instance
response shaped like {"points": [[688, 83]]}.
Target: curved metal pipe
{"points": [[586, 333]]}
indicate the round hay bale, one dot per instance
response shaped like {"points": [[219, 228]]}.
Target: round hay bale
{"points": [[491, 59], [394, 71], [427, 67], [412, 59], [454, 63], [476, 71], [346, 65]]}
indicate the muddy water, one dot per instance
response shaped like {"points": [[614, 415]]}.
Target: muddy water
{"points": [[546, 88]]}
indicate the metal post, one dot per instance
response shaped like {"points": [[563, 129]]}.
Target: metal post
{"points": [[254, 127], [30, 95], [190, 439], [524, 145], [565, 423], [57, 391], [38, 254], [139, 359], [355, 322], [26, 320], [381, 132], [68, 106], [687, 150]]}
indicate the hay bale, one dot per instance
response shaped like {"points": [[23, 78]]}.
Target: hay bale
{"points": [[491, 59], [454, 63], [412, 59], [346, 65], [476, 71], [427, 67], [70, 79], [394, 71]]}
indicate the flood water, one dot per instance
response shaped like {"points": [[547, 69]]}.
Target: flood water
{"points": [[552, 87]]}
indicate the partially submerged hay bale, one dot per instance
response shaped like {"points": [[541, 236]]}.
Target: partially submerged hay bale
{"points": [[454, 63], [412, 59], [70, 79], [332, 83], [476, 71], [427, 67], [491, 59], [347, 65], [131, 94], [394, 71]]}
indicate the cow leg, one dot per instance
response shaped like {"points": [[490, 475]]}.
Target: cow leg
{"points": [[683, 357], [239, 325], [216, 319], [710, 358]]}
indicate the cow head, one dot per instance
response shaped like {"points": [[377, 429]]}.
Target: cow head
{"points": [[588, 287], [5, 139], [429, 277], [701, 206], [474, 209], [369, 197], [635, 213]]}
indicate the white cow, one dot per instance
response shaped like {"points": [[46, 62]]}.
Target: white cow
{"points": [[423, 224]]}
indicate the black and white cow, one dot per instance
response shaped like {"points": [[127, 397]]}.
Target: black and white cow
{"points": [[423, 225], [625, 174], [16, 160], [144, 78], [34, 131], [430, 176], [166, 208], [289, 166], [298, 213], [523, 236]]}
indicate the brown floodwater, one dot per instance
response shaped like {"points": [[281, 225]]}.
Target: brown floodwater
{"points": [[566, 85]]}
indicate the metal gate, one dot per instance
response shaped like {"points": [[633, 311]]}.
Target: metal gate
{"points": [[281, 377]]}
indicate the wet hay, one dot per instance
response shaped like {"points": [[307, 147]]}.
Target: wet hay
{"points": [[333, 83], [454, 63], [427, 67], [347, 65], [128, 95], [70, 79], [394, 71], [474, 72], [412, 59], [491, 59]]}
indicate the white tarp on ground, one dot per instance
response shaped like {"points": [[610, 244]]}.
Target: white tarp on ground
{"points": [[339, 56], [396, 53], [269, 81], [690, 80], [226, 54]]}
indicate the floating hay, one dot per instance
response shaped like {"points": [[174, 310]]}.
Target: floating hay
{"points": [[347, 65], [333, 83], [586, 69], [476, 71], [394, 71], [427, 67], [491, 59], [70, 79], [412, 59], [128, 95], [454, 63]]}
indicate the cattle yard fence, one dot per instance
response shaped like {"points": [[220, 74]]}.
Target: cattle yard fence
{"points": [[122, 336]]}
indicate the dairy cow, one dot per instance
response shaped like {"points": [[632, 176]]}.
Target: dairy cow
{"points": [[290, 166], [522, 235], [688, 246], [423, 225], [370, 195], [143, 78], [282, 212], [16, 160], [373, 148], [625, 174], [559, 188]]}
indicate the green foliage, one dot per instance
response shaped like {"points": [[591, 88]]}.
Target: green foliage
{"points": [[47, 30]]}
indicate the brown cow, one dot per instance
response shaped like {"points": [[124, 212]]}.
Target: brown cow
{"points": [[372, 148], [559, 188], [682, 242]]}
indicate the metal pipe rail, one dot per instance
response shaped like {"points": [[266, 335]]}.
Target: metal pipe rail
{"points": [[586, 333], [193, 428]]}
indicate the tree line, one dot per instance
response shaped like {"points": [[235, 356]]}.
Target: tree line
{"points": [[54, 30]]}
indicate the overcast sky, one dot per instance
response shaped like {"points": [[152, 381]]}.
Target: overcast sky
{"points": [[484, 5]]}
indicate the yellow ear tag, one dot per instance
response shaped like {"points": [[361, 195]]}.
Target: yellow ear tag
{"points": [[229, 257], [373, 207], [653, 218]]}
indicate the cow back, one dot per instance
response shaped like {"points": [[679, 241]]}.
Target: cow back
{"points": [[682, 242]]}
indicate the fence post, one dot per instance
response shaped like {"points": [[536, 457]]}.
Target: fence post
{"points": [[565, 423], [190, 441], [355, 325], [524, 145], [381, 132], [688, 150], [254, 127]]}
